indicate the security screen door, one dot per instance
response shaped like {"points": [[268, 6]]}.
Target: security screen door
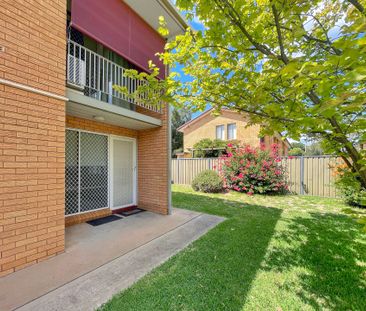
{"points": [[123, 172], [86, 172]]}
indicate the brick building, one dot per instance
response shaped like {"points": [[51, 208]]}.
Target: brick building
{"points": [[230, 126], [72, 148]]}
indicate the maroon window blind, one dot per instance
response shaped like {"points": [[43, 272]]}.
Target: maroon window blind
{"points": [[115, 25]]}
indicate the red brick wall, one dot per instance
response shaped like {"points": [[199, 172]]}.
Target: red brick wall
{"points": [[98, 127], [32, 136], [153, 159], [84, 217], [31, 132]]}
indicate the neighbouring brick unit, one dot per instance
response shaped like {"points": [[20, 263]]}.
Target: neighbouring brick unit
{"points": [[283, 146], [32, 132], [153, 174], [205, 127]]}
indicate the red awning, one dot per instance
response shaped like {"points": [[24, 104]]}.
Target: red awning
{"points": [[118, 27]]}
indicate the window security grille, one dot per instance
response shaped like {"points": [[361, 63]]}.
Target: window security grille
{"points": [[86, 172]]}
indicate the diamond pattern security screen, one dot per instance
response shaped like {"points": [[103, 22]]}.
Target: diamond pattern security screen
{"points": [[86, 172], [93, 171]]}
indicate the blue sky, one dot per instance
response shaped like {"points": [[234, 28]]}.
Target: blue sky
{"points": [[196, 25]]}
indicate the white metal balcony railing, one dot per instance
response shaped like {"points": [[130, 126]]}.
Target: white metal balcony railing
{"points": [[95, 75]]}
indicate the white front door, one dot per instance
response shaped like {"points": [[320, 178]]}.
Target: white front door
{"points": [[123, 172]]}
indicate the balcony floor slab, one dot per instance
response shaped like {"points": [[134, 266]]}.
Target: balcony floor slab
{"points": [[89, 108]]}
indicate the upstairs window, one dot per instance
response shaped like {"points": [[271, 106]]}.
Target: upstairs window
{"points": [[220, 132], [231, 131]]}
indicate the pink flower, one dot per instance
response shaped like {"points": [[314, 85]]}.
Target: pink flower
{"points": [[229, 145]]}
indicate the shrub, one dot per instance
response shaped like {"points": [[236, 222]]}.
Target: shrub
{"points": [[350, 187], [208, 181], [253, 170], [296, 152]]}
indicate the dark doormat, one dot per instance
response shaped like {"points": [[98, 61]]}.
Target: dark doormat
{"points": [[104, 220], [131, 212]]}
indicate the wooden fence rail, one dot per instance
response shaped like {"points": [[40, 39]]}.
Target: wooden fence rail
{"points": [[310, 175]]}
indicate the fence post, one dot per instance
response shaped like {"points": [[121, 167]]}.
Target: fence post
{"points": [[302, 185]]}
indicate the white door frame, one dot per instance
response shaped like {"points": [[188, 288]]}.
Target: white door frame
{"points": [[134, 151]]}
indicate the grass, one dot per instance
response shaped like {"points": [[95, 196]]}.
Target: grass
{"points": [[272, 253]]}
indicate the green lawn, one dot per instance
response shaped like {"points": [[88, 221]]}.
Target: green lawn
{"points": [[272, 253]]}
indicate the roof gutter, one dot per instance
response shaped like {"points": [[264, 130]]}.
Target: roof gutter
{"points": [[175, 14]]}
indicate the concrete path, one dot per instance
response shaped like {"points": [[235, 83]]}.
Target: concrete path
{"points": [[90, 290]]}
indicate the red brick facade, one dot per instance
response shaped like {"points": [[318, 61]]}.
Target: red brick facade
{"points": [[153, 162], [152, 158], [32, 132], [32, 137]]}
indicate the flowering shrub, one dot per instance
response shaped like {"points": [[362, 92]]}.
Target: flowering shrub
{"points": [[253, 170]]}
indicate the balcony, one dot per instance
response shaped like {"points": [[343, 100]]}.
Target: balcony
{"points": [[90, 80]]}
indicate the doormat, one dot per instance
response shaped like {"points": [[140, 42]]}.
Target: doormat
{"points": [[131, 212], [104, 220]]}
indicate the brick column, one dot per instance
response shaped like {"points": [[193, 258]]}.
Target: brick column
{"points": [[153, 166]]}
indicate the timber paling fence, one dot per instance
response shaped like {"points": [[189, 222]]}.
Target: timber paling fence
{"points": [[306, 175]]}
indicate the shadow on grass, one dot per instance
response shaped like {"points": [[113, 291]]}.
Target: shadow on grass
{"points": [[216, 271], [332, 250]]}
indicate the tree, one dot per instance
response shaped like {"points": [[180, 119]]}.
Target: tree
{"points": [[298, 145], [179, 117], [314, 149], [296, 152], [296, 66], [297, 149]]}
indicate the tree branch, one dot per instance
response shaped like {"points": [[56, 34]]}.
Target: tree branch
{"points": [[312, 38], [357, 5], [226, 49], [279, 34], [235, 18]]}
